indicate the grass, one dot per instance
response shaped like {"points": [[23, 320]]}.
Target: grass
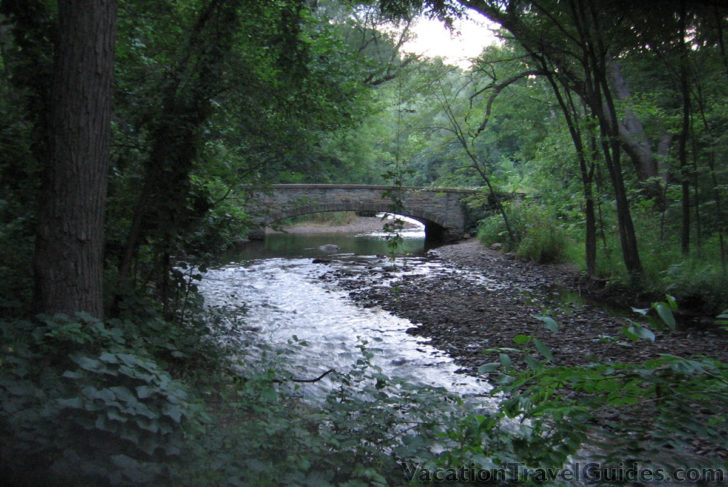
{"points": [[542, 237], [698, 281]]}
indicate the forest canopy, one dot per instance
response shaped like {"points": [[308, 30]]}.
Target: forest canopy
{"points": [[622, 105]]}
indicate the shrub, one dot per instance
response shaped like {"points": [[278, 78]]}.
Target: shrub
{"points": [[654, 415], [545, 242], [81, 402], [697, 286], [542, 239]]}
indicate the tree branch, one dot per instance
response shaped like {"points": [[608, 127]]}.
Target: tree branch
{"points": [[496, 91]]}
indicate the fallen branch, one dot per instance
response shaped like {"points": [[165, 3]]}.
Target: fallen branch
{"points": [[308, 381], [316, 379]]}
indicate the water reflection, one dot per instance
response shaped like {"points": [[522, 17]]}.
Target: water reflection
{"points": [[293, 245], [286, 299]]}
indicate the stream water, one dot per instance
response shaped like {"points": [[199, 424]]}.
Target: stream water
{"points": [[283, 304]]}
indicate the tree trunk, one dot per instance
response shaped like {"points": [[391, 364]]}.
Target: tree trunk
{"points": [[68, 256], [175, 133], [606, 114], [569, 110], [683, 140], [635, 142]]}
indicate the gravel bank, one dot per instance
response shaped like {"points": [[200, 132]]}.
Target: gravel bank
{"points": [[496, 299]]}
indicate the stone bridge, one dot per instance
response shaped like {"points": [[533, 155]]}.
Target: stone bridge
{"points": [[442, 210]]}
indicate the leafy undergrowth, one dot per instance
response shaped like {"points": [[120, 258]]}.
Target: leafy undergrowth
{"points": [[541, 237], [83, 399], [666, 417], [91, 403]]}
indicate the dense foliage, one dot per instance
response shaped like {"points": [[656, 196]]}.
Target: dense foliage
{"points": [[608, 119]]}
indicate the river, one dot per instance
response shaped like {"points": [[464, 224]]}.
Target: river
{"points": [[282, 305]]}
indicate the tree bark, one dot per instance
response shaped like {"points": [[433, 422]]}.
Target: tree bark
{"points": [[68, 258], [683, 139], [569, 110], [631, 132], [588, 77]]}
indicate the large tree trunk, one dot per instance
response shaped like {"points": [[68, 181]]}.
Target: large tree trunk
{"points": [[70, 237], [682, 142], [631, 132]]}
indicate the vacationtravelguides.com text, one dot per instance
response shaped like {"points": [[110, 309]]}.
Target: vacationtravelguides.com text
{"points": [[582, 472]]}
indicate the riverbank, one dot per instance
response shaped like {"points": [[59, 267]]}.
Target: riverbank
{"points": [[496, 299], [362, 224]]}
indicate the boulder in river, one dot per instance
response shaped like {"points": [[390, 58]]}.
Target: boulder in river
{"points": [[329, 248]]}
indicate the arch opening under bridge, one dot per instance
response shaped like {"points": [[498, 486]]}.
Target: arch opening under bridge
{"points": [[441, 210]]}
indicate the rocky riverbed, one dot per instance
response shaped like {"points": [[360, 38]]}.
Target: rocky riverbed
{"points": [[483, 298]]}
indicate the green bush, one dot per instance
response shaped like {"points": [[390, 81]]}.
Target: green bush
{"points": [[81, 401], [544, 242], [493, 230], [542, 238], [371, 430], [16, 252], [655, 414], [698, 281], [697, 285]]}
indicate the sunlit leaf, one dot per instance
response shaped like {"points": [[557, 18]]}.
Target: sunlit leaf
{"points": [[665, 314], [637, 332], [521, 339]]}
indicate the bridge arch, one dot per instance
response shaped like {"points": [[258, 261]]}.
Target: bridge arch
{"points": [[435, 228], [440, 209]]}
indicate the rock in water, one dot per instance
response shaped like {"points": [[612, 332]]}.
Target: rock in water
{"points": [[329, 248]]}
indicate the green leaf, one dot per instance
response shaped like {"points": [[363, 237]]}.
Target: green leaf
{"points": [[130, 434], [665, 314], [487, 368], [543, 349], [637, 332], [174, 412], [71, 402], [505, 359], [641, 311], [109, 358], [548, 323], [113, 414], [69, 374], [87, 363], [144, 392], [532, 363], [123, 394], [105, 395], [521, 339]]}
